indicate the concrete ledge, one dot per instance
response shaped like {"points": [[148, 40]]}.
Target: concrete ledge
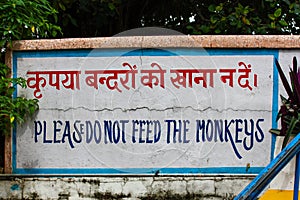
{"points": [[184, 41], [184, 187]]}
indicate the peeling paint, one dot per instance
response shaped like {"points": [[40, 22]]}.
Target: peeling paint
{"points": [[15, 187], [126, 188]]}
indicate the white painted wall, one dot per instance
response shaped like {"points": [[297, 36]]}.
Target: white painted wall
{"points": [[35, 155]]}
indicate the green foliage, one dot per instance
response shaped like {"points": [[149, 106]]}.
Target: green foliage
{"points": [[23, 19], [229, 20], [257, 17], [90, 18], [249, 17], [13, 109], [20, 19], [289, 112]]}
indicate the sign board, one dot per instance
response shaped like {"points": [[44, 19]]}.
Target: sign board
{"points": [[146, 111]]}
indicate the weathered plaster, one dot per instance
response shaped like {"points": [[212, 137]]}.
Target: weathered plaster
{"points": [[130, 187], [204, 41], [215, 187]]}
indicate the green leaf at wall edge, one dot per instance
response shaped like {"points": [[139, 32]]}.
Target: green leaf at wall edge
{"points": [[277, 13], [283, 23]]}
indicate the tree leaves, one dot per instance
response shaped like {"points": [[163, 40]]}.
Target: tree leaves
{"points": [[20, 19], [106, 18], [277, 13]]}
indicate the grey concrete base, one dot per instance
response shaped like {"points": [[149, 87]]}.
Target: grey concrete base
{"points": [[216, 187]]}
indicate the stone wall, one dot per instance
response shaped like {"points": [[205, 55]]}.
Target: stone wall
{"points": [[128, 187]]}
